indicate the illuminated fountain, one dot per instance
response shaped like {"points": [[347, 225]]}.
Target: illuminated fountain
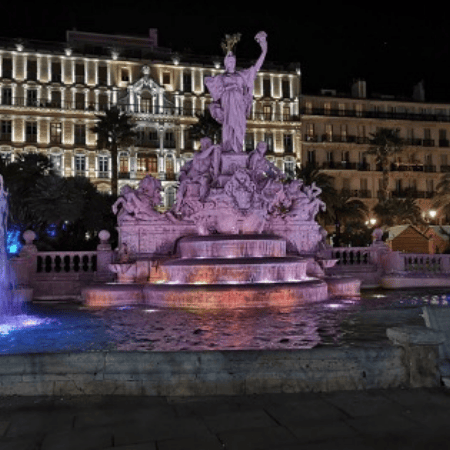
{"points": [[239, 235], [11, 298]]}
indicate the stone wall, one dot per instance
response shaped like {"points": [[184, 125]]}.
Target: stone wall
{"points": [[411, 362]]}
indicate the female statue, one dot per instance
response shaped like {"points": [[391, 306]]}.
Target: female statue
{"points": [[232, 94]]}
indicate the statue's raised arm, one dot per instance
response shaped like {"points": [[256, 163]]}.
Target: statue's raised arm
{"points": [[261, 39]]}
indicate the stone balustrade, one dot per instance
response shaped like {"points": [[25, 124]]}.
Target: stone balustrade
{"points": [[66, 262], [63, 274]]}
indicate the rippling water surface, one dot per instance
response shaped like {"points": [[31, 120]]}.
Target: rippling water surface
{"points": [[344, 322]]}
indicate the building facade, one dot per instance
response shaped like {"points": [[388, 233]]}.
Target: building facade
{"points": [[336, 129], [51, 94]]}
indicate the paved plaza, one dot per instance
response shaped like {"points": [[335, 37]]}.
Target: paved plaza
{"points": [[374, 419]]}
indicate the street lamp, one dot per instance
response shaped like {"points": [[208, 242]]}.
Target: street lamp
{"points": [[432, 213]]}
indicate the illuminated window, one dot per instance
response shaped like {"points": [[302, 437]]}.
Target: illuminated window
{"points": [[5, 130], [266, 87], [32, 97], [80, 165], [79, 73], [103, 165], [125, 75], [55, 99], [286, 88], [79, 100], [166, 78], [55, 133], [289, 167], [102, 76], [31, 132], [268, 139], [102, 102], [56, 71], [123, 163], [170, 167], [6, 96], [287, 142], [7, 68], [32, 70], [147, 163], [80, 134], [187, 82]]}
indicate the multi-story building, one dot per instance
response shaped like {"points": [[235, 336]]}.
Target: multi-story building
{"points": [[336, 130], [51, 94]]}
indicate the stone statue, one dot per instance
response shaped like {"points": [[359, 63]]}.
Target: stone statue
{"points": [[232, 94], [200, 172], [139, 204], [262, 170], [302, 201]]}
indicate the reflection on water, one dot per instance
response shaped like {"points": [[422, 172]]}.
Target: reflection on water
{"points": [[343, 322]]}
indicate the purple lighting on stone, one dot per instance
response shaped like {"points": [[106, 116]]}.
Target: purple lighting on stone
{"points": [[239, 235]]}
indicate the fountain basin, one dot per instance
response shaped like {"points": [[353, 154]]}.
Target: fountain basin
{"points": [[257, 295]]}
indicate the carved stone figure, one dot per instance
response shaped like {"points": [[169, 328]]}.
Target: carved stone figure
{"points": [[139, 204], [232, 94], [240, 188], [200, 172]]}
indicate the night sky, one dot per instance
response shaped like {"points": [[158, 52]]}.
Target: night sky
{"points": [[390, 48]]}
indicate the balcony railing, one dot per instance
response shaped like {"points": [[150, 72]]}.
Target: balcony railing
{"points": [[412, 193], [375, 114], [137, 109]]}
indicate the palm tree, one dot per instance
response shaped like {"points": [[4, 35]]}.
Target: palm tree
{"points": [[114, 129], [442, 197], [385, 144], [398, 211], [346, 210]]}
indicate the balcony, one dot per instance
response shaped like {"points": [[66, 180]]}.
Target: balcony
{"points": [[342, 165], [444, 143], [375, 114], [411, 193]]}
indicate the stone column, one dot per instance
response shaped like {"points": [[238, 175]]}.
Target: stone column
{"points": [[25, 265], [421, 353], [105, 256]]}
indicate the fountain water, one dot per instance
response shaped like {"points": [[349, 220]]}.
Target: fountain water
{"points": [[12, 314], [9, 302], [239, 235]]}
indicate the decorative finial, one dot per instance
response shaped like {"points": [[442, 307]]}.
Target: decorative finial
{"points": [[229, 42]]}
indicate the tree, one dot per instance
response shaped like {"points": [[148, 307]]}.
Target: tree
{"points": [[345, 211], [398, 211], [385, 144], [442, 197], [114, 129], [206, 126], [21, 177]]}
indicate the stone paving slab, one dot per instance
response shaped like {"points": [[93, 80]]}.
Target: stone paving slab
{"points": [[373, 419]]}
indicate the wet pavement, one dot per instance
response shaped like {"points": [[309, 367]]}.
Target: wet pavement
{"points": [[373, 419]]}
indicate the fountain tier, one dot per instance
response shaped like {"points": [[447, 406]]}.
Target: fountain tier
{"points": [[232, 246], [223, 271]]}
